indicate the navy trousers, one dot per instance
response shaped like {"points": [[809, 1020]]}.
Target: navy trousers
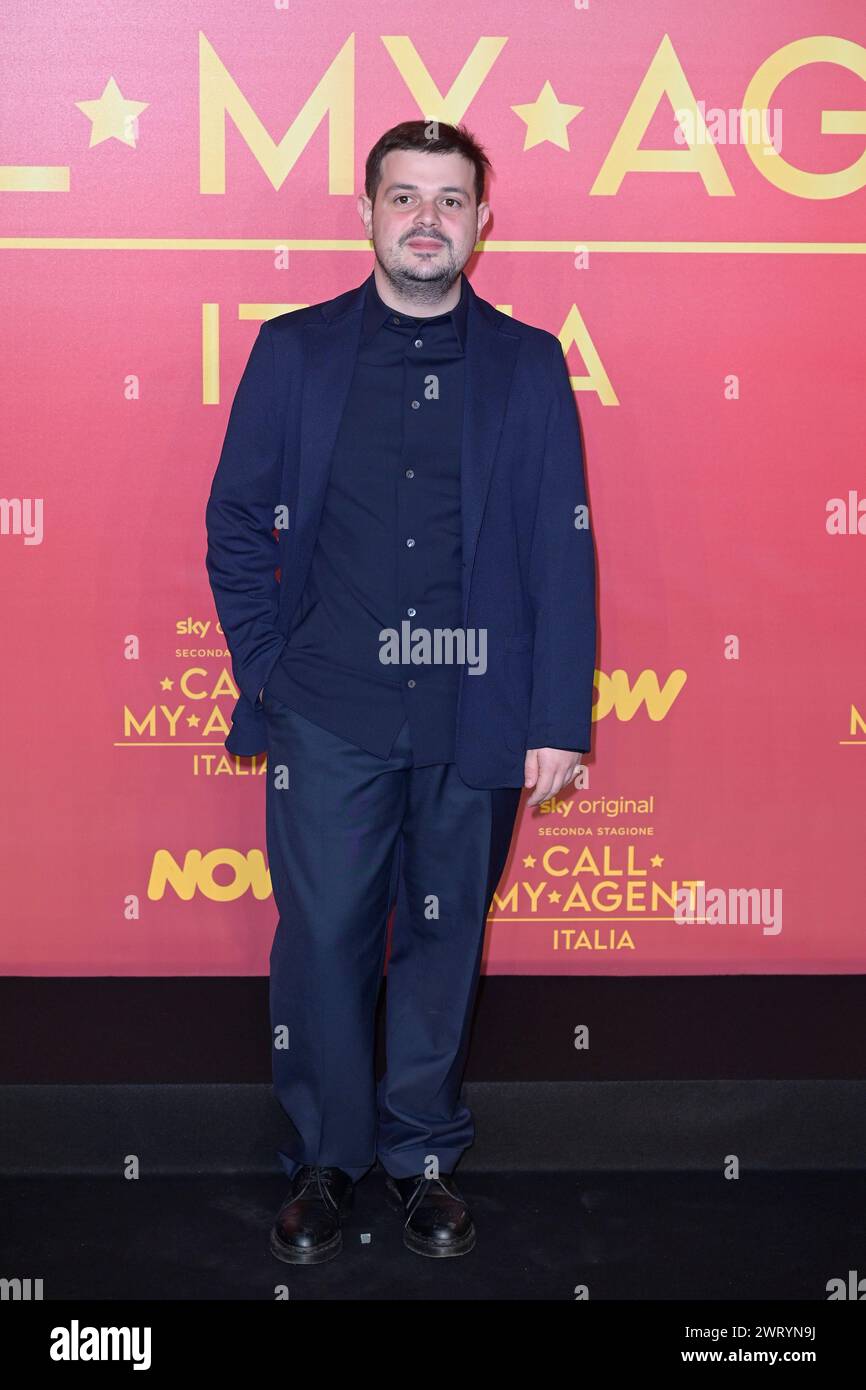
{"points": [[347, 833]]}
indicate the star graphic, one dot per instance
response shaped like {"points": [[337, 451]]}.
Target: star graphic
{"points": [[529, 861], [112, 117], [166, 683], [193, 721], [554, 897], [657, 861], [546, 119]]}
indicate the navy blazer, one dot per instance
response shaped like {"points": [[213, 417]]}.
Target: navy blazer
{"points": [[528, 573]]}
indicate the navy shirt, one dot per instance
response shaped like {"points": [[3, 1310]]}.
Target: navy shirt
{"points": [[388, 549]]}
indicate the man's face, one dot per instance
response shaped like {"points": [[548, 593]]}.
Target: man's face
{"points": [[424, 222]]}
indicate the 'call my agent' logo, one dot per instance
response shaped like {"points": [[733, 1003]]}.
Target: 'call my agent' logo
{"points": [[437, 646]]}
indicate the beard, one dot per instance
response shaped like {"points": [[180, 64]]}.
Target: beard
{"points": [[422, 282]]}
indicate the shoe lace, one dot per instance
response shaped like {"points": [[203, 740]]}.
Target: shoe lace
{"points": [[313, 1172]]}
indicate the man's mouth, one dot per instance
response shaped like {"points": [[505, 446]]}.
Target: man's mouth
{"points": [[424, 243]]}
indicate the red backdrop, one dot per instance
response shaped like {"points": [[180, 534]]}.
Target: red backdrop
{"points": [[173, 173]]}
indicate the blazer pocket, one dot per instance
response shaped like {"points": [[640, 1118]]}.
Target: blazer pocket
{"points": [[518, 675]]}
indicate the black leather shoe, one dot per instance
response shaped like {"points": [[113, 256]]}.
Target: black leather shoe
{"points": [[437, 1220], [307, 1229]]}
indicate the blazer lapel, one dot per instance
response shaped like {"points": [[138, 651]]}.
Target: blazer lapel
{"points": [[331, 348], [491, 352]]}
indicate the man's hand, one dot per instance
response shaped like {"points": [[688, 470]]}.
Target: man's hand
{"points": [[548, 770]]}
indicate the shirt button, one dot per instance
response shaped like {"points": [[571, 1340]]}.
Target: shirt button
{"points": [[411, 612], [416, 405], [419, 342], [410, 542], [411, 685], [410, 472], [395, 319]]}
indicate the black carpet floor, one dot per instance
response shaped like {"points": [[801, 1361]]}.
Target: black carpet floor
{"points": [[623, 1236]]}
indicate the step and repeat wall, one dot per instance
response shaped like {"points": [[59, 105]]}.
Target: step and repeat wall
{"points": [[678, 195]]}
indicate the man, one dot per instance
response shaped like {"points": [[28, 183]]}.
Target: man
{"points": [[428, 649]]}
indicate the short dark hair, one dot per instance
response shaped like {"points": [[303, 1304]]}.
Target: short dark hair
{"points": [[413, 135]]}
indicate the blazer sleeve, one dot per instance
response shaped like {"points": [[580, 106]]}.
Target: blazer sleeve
{"points": [[562, 581], [242, 554]]}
